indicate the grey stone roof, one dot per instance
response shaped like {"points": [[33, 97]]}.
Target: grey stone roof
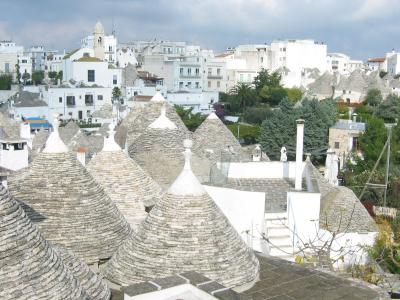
{"points": [[341, 210], [280, 279], [38, 142], [212, 137], [28, 99], [127, 184], [30, 268], [68, 131], [9, 126], [184, 231], [93, 284], [374, 81], [147, 115], [357, 82], [159, 153], [105, 112], [69, 206], [323, 85]]}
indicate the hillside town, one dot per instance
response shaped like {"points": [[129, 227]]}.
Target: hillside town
{"points": [[157, 169]]}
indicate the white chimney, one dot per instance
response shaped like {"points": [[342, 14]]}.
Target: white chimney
{"points": [[299, 154], [81, 155]]}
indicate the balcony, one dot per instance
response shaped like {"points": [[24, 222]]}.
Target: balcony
{"points": [[211, 76], [189, 76]]}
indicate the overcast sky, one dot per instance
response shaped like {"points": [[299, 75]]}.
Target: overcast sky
{"points": [[360, 28]]}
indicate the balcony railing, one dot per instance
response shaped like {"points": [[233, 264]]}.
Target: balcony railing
{"points": [[211, 76], [190, 76]]}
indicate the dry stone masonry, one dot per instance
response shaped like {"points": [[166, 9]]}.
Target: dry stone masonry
{"points": [[184, 231]]}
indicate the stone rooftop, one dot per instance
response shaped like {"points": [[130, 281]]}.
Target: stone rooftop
{"points": [[280, 279]]}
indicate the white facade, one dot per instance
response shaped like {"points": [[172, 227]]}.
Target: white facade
{"points": [[126, 56], [9, 53], [377, 64], [13, 154], [393, 63], [54, 62], [75, 103], [201, 102], [25, 65]]}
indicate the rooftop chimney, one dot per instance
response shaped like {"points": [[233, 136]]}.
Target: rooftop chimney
{"points": [[299, 154]]}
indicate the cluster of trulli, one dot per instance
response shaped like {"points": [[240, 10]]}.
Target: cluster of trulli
{"points": [[158, 151], [31, 268], [127, 184], [68, 205], [184, 231], [139, 119]]}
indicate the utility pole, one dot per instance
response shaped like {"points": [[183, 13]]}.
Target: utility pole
{"points": [[387, 165]]}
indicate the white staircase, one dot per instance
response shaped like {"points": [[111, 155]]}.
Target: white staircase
{"points": [[278, 234]]}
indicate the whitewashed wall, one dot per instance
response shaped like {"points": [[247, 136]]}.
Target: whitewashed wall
{"points": [[245, 211]]}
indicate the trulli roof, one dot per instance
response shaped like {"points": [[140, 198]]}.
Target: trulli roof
{"points": [[10, 126], [127, 184], [213, 138], [68, 205], [149, 114], [68, 131], [323, 85], [184, 231], [30, 268], [158, 151], [356, 82], [93, 284]]}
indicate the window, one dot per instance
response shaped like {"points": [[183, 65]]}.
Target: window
{"points": [[70, 114], [337, 144], [209, 71], [197, 71], [19, 146], [209, 84], [90, 75], [88, 113], [241, 77], [181, 71], [218, 71], [262, 59], [24, 61], [189, 84], [181, 85], [114, 79], [7, 67], [189, 71], [110, 48], [110, 58], [71, 101], [218, 84], [59, 99], [197, 85], [100, 97], [89, 99]]}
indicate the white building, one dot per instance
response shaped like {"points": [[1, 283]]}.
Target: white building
{"points": [[54, 62], [9, 53], [76, 103], [393, 63], [25, 65], [377, 64], [342, 63], [126, 56], [201, 102]]}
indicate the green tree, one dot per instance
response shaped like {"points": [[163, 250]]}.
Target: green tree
{"points": [[389, 110], [248, 134], [5, 82], [294, 94], [190, 119], [60, 75], [279, 129], [53, 76], [371, 143], [374, 97], [25, 77], [242, 95], [256, 114], [264, 78], [116, 93], [273, 95], [37, 77]]}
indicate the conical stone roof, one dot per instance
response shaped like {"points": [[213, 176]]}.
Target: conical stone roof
{"points": [[213, 138], [93, 284], [29, 267], [68, 131], [127, 184], [149, 114], [38, 142], [10, 126], [185, 231], [68, 205], [159, 152]]}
